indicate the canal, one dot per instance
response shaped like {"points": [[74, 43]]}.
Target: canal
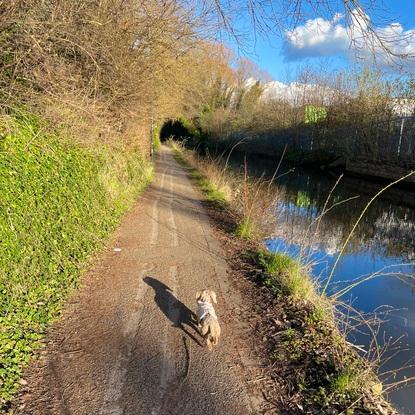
{"points": [[376, 272]]}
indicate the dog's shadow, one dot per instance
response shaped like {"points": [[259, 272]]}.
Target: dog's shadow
{"points": [[178, 313]]}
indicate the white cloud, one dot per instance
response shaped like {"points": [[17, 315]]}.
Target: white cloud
{"points": [[320, 37], [317, 37]]}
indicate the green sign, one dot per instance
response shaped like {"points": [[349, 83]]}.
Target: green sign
{"points": [[313, 114]]}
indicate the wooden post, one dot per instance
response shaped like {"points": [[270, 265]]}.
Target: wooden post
{"points": [[400, 137]]}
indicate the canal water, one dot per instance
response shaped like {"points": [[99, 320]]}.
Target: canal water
{"points": [[381, 250]]}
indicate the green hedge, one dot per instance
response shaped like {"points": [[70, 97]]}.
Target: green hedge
{"points": [[58, 203]]}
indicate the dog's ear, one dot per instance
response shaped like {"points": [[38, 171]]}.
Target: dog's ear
{"points": [[213, 296], [198, 294]]}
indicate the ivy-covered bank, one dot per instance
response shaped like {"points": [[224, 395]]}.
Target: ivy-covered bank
{"points": [[58, 203]]}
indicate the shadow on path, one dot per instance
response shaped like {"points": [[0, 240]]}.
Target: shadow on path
{"points": [[178, 313]]}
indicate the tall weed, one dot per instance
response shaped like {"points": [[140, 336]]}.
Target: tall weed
{"points": [[251, 200]]}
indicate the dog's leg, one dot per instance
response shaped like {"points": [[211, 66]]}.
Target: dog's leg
{"points": [[204, 330], [209, 342]]}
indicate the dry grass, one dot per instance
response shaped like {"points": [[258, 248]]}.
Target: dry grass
{"points": [[251, 200]]}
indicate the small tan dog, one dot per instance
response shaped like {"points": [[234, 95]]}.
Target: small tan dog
{"points": [[206, 317]]}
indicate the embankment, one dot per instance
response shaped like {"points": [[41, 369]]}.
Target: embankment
{"points": [[59, 201]]}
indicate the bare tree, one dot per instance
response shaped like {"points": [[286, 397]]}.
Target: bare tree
{"points": [[278, 16]]}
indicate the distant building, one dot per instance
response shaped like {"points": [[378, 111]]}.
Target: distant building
{"points": [[403, 107]]}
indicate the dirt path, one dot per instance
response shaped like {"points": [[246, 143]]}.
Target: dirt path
{"points": [[125, 344]]}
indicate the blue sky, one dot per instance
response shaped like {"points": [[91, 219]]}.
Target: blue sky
{"points": [[284, 56]]}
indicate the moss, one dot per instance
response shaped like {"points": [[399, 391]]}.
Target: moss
{"points": [[344, 382]]}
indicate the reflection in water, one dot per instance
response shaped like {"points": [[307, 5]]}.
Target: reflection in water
{"points": [[383, 243], [386, 227]]}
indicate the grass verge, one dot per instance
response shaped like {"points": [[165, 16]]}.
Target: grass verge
{"points": [[287, 275], [59, 202], [245, 229], [156, 138], [249, 200], [316, 369], [212, 192]]}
